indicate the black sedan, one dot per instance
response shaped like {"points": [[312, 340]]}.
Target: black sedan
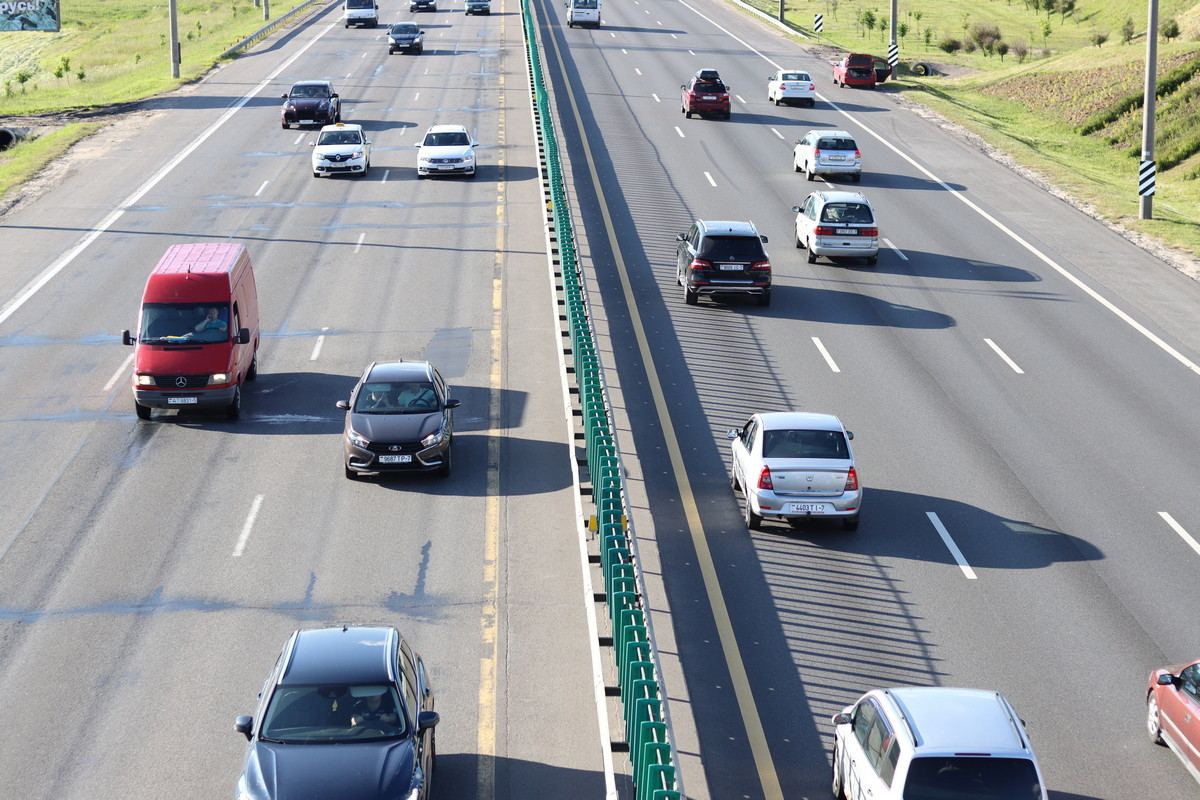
{"points": [[346, 712], [311, 103], [399, 418]]}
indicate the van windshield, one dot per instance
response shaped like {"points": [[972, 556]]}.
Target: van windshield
{"points": [[360, 3], [586, 3], [184, 323], [937, 777]]}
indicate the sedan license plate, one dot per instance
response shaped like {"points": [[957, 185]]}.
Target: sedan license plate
{"points": [[806, 508], [847, 231], [730, 267], [182, 401], [308, 122], [395, 459]]}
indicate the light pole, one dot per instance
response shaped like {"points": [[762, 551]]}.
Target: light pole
{"points": [[1146, 169], [174, 40]]}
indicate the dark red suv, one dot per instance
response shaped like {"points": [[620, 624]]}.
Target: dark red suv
{"points": [[706, 93]]}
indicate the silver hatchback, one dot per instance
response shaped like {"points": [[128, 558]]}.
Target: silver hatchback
{"points": [[837, 225], [827, 153], [795, 466]]}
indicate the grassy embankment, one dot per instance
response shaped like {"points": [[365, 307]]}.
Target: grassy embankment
{"points": [[109, 51], [1068, 108]]}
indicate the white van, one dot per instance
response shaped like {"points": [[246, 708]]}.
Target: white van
{"points": [[583, 12], [360, 12]]}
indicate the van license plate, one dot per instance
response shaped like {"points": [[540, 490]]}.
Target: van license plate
{"points": [[847, 232], [807, 508], [395, 459], [182, 401]]}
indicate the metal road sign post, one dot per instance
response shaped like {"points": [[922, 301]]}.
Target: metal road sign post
{"points": [[1147, 169]]}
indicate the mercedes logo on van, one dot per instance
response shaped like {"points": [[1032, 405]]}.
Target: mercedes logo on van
{"points": [[181, 381]]}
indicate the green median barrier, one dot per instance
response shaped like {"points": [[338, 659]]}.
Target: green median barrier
{"points": [[634, 671], [618, 571], [643, 709], [656, 774], [664, 794], [614, 546], [624, 584], [642, 689], [619, 602], [630, 627], [650, 754]]}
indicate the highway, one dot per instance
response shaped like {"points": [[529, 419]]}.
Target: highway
{"points": [[1020, 380]]}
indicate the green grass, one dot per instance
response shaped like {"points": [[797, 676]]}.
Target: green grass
{"points": [[121, 47], [29, 156]]}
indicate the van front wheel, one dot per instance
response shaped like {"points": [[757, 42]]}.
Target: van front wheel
{"points": [[234, 409], [252, 373], [143, 412]]}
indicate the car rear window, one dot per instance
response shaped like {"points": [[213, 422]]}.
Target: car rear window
{"points": [[939, 777], [732, 248], [847, 214], [708, 87], [796, 76], [805, 444], [837, 144]]}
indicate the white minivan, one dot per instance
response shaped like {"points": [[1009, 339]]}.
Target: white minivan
{"points": [[933, 741], [583, 12], [360, 12]]}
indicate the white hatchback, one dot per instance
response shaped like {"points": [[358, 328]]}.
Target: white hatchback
{"points": [[837, 225], [341, 148], [446, 150], [795, 466], [790, 85]]}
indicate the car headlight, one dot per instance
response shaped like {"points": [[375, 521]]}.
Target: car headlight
{"points": [[218, 377], [357, 440], [434, 438], [145, 380], [288, 106], [357, 154], [324, 106]]}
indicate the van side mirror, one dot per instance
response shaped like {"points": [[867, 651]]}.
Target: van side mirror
{"points": [[796, 209], [243, 336], [127, 337], [244, 725], [344, 405]]}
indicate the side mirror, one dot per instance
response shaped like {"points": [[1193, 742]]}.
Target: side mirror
{"points": [[764, 238], [1166, 679], [732, 433], [683, 86], [841, 719], [244, 725], [427, 720], [335, 94], [312, 144], [127, 338], [680, 237], [453, 403], [796, 209], [284, 96], [344, 405], [243, 336], [849, 434]]}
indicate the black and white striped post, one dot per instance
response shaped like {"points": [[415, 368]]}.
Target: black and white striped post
{"points": [[893, 56], [1146, 174], [818, 22], [1147, 169]]}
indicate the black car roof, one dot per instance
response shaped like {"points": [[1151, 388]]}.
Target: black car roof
{"points": [[340, 655]]}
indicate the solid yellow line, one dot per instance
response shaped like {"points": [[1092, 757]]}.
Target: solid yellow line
{"points": [[489, 613], [755, 735]]}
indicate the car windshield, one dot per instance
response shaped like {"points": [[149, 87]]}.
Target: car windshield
{"points": [[340, 137], [184, 323], [987, 778], [847, 214], [805, 444], [396, 397], [331, 713], [404, 29], [446, 139], [732, 248], [311, 90]]}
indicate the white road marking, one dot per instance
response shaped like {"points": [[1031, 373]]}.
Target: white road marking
{"points": [[1004, 355], [121, 372], [317, 347], [262, 188], [710, 179], [652, 94], [777, 133], [1192, 543], [638, 71], [740, 99], [624, 52], [248, 526], [895, 249], [358, 245], [386, 172], [415, 96], [950, 545], [66, 258], [677, 130], [300, 138], [825, 354]]}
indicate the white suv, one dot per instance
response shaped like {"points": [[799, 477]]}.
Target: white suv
{"points": [[930, 742]]}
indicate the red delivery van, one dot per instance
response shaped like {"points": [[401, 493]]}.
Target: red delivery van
{"points": [[197, 340]]}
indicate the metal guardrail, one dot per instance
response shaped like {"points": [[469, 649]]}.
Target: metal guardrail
{"points": [[262, 32], [647, 731]]}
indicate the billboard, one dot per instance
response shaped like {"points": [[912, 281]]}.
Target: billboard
{"points": [[29, 15]]}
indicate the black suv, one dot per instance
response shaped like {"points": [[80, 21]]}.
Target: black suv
{"points": [[723, 258]]}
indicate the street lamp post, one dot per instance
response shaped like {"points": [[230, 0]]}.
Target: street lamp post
{"points": [[1147, 168]]}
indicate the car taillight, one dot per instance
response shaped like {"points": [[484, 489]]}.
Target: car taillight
{"points": [[868, 231], [857, 154], [851, 481], [812, 87], [700, 263], [816, 152], [764, 479], [763, 265], [825, 230]]}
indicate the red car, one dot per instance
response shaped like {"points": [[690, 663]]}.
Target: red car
{"points": [[705, 94], [856, 69], [1173, 712]]}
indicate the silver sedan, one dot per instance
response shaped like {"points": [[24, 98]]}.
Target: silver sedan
{"points": [[794, 466]]}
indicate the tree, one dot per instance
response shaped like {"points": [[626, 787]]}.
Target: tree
{"points": [[1065, 7], [1169, 30], [1098, 38], [950, 45], [1049, 6], [927, 36], [1046, 31], [1002, 49], [902, 30], [868, 20], [1020, 50], [1127, 30], [23, 77]]}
